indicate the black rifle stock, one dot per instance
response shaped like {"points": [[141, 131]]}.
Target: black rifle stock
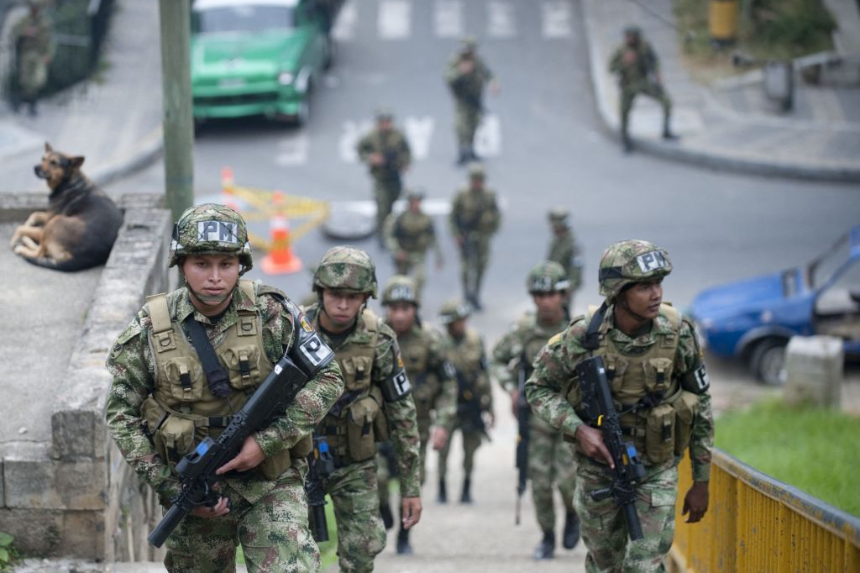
{"points": [[320, 467], [196, 470], [523, 413], [598, 409]]}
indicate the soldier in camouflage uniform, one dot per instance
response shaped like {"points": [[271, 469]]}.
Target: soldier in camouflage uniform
{"points": [[474, 395], [564, 250], [638, 70], [161, 404], [474, 219], [409, 236], [660, 388], [550, 459], [376, 406], [466, 75], [34, 50], [386, 151], [431, 375]]}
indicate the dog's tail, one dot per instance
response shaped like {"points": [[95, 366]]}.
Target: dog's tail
{"points": [[68, 266]]}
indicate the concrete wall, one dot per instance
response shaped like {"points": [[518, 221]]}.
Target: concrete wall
{"points": [[76, 496]]}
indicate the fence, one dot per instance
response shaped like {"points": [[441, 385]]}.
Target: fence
{"points": [[756, 523]]}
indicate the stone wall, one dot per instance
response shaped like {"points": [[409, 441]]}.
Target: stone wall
{"points": [[76, 496]]}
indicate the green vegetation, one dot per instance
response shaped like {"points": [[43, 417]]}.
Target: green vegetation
{"points": [[810, 448], [7, 551]]}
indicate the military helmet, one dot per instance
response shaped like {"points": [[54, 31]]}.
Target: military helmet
{"points": [[415, 193], [384, 114], [453, 310], [400, 288], [548, 276], [346, 268], [468, 44], [476, 171], [633, 30], [629, 262], [558, 216], [210, 229]]}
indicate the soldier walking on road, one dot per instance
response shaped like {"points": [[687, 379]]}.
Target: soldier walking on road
{"points": [[660, 387], [409, 236], [431, 375], [377, 405], [465, 349], [550, 460], [161, 404], [467, 74], [34, 50], [564, 250], [638, 70], [474, 219], [386, 151]]}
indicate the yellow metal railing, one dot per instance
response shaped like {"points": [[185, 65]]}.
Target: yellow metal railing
{"points": [[757, 524]]}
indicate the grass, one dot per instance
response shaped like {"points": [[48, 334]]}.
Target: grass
{"points": [[809, 448]]}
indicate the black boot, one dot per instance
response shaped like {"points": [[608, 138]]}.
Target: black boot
{"points": [[626, 143], [546, 548], [403, 547], [387, 516], [571, 530], [443, 492], [667, 134], [466, 496], [463, 156]]}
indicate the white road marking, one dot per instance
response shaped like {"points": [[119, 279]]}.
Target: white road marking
{"points": [[394, 19], [353, 131], [448, 18], [345, 25], [501, 20], [488, 137], [556, 17], [293, 150], [419, 132]]}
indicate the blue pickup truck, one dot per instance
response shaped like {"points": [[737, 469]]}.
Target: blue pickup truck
{"points": [[754, 319]]}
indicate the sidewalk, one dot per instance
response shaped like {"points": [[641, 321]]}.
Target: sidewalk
{"points": [[723, 127], [114, 120]]}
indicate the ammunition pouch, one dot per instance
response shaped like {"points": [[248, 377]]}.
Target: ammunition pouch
{"points": [[686, 408], [360, 418], [660, 434], [380, 423]]}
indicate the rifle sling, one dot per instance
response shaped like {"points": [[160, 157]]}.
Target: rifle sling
{"points": [[216, 375]]}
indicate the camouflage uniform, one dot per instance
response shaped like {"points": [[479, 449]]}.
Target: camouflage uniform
{"points": [[34, 46], [474, 219], [639, 77], [564, 250], [269, 515], [371, 362], [387, 182], [408, 236], [552, 390], [474, 395], [468, 90]]}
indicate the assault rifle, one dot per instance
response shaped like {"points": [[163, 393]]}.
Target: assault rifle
{"points": [[523, 414], [598, 409], [196, 470], [469, 407], [320, 467]]}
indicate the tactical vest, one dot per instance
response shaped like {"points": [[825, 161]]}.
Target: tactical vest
{"points": [[412, 232], [182, 410], [356, 421], [653, 409], [532, 342], [415, 349]]}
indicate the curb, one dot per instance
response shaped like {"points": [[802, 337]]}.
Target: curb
{"points": [[678, 153]]}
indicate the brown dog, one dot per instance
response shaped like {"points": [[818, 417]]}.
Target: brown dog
{"points": [[80, 226]]}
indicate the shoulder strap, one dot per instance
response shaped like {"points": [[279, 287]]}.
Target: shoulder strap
{"points": [[159, 313], [673, 315], [216, 375], [371, 323], [591, 339], [247, 287]]}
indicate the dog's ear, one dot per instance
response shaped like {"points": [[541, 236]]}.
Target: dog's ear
{"points": [[48, 148], [76, 162]]}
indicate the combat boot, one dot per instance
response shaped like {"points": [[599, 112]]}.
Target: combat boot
{"points": [[571, 530], [387, 516], [443, 492], [546, 548], [464, 156], [465, 495], [668, 135], [626, 143], [403, 547]]}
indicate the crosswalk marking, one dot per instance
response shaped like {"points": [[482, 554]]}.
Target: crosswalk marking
{"points": [[488, 137], [344, 28], [394, 19], [419, 132], [556, 19], [448, 18], [501, 20], [293, 150]]}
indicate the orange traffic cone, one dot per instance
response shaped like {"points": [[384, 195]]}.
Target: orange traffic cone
{"points": [[228, 187], [281, 259]]}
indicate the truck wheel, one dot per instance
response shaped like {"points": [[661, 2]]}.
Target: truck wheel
{"points": [[768, 361]]}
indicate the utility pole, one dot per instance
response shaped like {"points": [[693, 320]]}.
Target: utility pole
{"points": [[178, 120]]}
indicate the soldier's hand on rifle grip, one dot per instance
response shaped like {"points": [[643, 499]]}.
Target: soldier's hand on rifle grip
{"points": [[592, 444], [696, 502], [221, 508], [376, 159], [411, 511], [439, 438], [249, 457]]}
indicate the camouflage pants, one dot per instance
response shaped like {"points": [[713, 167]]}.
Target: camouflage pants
{"points": [[550, 462], [360, 531], [273, 532], [32, 75], [474, 256], [386, 191], [413, 266], [603, 529], [656, 91], [468, 119], [471, 443]]}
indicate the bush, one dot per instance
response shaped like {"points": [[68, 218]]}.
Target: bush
{"points": [[7, 551]]}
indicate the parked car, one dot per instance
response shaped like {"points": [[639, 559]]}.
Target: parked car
{"points": [[257, 57], [754, 319]]}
